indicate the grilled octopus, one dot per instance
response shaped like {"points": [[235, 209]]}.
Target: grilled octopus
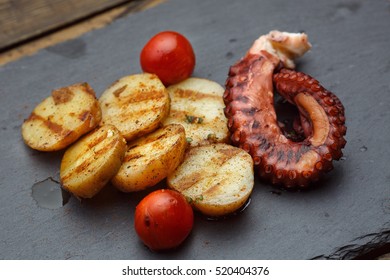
{"points": [[252, 120]]}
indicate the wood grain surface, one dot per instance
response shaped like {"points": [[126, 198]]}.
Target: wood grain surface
{"points": [[18, 38], [23, 19]]}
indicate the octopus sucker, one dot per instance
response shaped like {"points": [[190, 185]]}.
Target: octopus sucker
{"points": [[249, 98]]}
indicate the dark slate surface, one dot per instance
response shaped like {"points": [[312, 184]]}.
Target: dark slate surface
{"points": [[344, 216]]}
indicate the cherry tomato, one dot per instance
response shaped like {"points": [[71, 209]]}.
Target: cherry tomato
{"points": [[163, 219], [170, 56]]}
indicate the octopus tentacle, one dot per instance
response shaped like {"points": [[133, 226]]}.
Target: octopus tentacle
{"points": [[253, 122]]}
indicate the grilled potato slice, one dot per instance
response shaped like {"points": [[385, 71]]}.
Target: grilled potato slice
{"points": [[197, 104], [62, 118], [217, 178], [150, 159], [92, 161], [135, 104]]}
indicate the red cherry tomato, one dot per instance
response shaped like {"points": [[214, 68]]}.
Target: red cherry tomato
{"points": [[163, 219], [170, 56]]}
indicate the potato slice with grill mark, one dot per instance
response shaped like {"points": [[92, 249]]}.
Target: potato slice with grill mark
{"points": [[197, 104], [135, 104], [217, 178], [92, 161], [62, 118], [150, 159]]}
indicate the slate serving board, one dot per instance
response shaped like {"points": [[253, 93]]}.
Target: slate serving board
{"points": [[345, 216]]}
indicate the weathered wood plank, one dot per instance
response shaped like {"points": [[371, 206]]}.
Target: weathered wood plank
{"points": [[73, 31], [24, 19]]}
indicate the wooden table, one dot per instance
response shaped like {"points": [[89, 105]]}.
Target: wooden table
{"points": [[28, 26]]}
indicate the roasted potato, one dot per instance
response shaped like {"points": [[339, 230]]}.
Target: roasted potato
{"points": [[135, 104], [92, 161], [150, 159], [62, 118], [197, 104], [217, 178]]}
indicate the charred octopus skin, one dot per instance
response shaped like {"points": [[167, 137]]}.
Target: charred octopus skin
{"points": [[252, 119]]}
